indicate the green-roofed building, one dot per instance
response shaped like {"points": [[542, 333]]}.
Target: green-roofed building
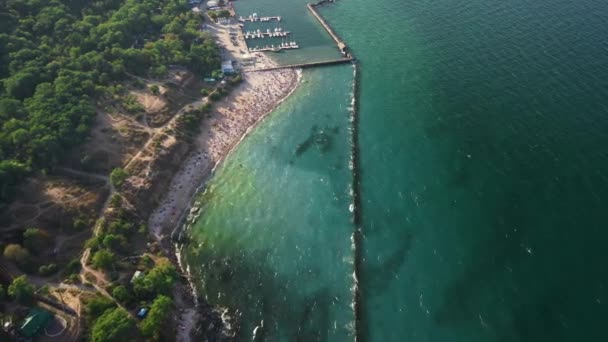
{"points": [[36, 320]]}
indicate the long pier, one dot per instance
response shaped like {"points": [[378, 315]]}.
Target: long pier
{"points": [[308, 65], [341, 45]]}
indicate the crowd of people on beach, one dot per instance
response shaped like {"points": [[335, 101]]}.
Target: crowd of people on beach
{"points": [[230, 120]]}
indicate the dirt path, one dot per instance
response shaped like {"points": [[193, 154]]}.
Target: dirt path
{"points": [[100, 279]]}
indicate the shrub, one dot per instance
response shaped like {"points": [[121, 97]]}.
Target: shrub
{"points": [[73, 278], [17, 254], [97, 306], [103, 259], [159, 314], [137, 83], [73, 266], [115, 201], [118, 176], [121, 294], [236, 80], [115, 242], [159, 280], [215, 96], [115, 325], [21, 290], [143, 228], [79, 224], [34, 240], [47, 270], [132, 105]]}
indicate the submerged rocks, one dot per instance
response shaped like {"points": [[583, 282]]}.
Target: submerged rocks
{"points": [[215, 324]]}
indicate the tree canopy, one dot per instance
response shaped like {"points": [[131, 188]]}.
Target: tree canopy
{"points": [[34, 239], [98, 305], [21, 290], [122, 295], [103, 259], [58, 57], [152, 325], [17, 254], [114, 325], [159, 280], [118, 176]]}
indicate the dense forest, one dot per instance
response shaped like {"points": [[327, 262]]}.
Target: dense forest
{"points": [[58, 57]]}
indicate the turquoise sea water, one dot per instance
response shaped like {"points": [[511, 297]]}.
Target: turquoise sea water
{"points": [[277, 250], [484, 175]]}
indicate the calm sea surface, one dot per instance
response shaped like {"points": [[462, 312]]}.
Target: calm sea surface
{"points": [[484, 165]]}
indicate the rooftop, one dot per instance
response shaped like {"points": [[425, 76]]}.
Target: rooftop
{"points": [[36, 319]]}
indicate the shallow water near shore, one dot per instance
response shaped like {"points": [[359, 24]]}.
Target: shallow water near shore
{"points": [[273, 239], [484, 176]]}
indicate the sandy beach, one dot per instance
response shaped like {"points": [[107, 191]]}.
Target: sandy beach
{"points": [[229, 122]]}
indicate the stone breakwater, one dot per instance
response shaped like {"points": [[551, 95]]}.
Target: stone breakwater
{"points": [[355, 207]]}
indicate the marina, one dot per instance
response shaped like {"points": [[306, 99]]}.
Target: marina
{"points": [[277, 32]]}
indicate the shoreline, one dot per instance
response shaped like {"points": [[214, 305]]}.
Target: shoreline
{"points": [[230, 122]]}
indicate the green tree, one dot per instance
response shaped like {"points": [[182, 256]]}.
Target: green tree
{"points": [[159, 280], [160, 312], [73, 266], [121, 294], [79, 223], [114, 325], [2, 293], [17, 254], [46, 270], [115, 201], [58, 57], [118, 176], [103, 259], [154, 89], [34, 240], [97, 306], [21, 290], [115, 242]]}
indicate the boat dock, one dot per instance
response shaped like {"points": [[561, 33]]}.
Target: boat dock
{"points": [[254, 18], [272, 48], [268, 33], [341, 45]]}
